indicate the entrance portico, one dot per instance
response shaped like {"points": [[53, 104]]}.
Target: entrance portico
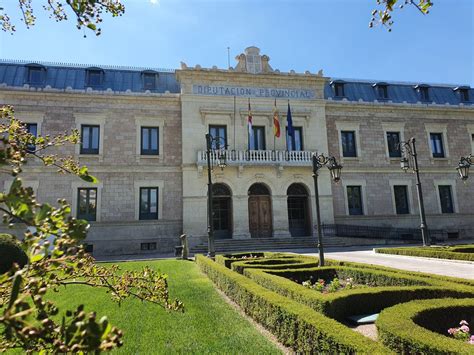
{"points": [[259, 201]]}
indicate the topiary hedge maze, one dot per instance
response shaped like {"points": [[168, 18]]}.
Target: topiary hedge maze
{"points": [[280, 291], [460, 252]]}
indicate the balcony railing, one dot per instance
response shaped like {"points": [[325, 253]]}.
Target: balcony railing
{"points": [[259, 157]]}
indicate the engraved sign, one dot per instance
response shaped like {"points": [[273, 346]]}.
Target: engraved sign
{"points": [[241, 91]]}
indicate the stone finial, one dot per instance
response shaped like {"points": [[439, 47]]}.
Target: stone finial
{"points": [[183, 65], [252, 62], [320, 72], [241, 63]]}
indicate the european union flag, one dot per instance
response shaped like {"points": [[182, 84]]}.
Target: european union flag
{"points": [[289, 122]]}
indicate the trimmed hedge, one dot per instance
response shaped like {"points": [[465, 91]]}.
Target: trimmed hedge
{"points": [[344, 303], [431, 252], [295, 325], [403, 328], [274, 264], [11, 252]]}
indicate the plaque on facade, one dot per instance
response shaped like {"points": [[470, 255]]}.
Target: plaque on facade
{"points": [[260, 92]]}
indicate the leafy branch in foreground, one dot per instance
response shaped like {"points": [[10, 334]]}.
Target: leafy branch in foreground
{"points": [[383, 15], [52, 243], [88, 13]]}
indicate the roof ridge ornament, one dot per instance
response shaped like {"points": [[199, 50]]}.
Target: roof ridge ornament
{"points": [[252, 62]]}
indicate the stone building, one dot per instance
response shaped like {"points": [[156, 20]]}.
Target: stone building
{"points": [[143, 135]]}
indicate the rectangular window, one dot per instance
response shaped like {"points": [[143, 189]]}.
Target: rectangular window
{"points": [[32, 128], [393, 142], [424, 94], [148, 203], [148, 246], [437, 147], [219, 135], [257, 142], [354, 200], [446, 198], [149, 141], [87, 203], [149, 81], [339, 90], [295, 142], [464, 95], [401, 199], [94, 78], [382, 92], [348, 140], [90, 139], [35, 75]]}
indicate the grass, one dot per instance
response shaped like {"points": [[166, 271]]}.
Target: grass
{"points": [[208, 325], [459, 252]]}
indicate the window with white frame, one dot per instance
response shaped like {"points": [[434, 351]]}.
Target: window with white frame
{"points": [[149, 137]]}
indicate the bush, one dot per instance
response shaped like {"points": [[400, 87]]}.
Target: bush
{"points": [[295, 325], [405, 328], [432, 252], [274, 264], [392, 288], [11, 252]]}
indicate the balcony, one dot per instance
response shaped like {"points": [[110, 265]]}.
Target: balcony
{"points": [[259, 157]]}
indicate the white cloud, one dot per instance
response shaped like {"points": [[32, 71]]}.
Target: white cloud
{"points": [[154, 2]]}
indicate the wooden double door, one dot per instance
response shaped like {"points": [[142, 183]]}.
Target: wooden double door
{"points": [[260, 216]]}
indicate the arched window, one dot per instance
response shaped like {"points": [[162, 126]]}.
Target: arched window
{"points": [[298, 211], [259, 189], [221, 211]]}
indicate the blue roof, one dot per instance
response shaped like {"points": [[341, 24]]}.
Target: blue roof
{"points": [[355, 90], [14, 73], [64, 76]]}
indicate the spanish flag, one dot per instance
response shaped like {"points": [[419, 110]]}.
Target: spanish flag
{"points": [[276, 121]]}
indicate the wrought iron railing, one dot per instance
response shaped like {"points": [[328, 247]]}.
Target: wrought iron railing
{"points": [[354, 231]]}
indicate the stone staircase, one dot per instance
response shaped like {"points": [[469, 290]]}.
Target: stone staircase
{"points": [[261, 244]]}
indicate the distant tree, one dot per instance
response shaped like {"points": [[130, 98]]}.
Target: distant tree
{"points": [[383, 14], [29, 320], [88, 13]]}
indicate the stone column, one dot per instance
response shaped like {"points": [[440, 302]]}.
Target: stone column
{"points": [[240, 217], [280, 217]]}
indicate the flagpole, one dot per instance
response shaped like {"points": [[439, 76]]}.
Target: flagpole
{"points": [[274, 136], [234, 124]]}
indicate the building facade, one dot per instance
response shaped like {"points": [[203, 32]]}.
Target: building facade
{"points": [[143, 135]]}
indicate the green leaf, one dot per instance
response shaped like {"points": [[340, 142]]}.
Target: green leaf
{"points": [[89, 178], [15, 289]]}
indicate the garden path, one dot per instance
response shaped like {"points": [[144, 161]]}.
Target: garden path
{"points": [[463, 269]]}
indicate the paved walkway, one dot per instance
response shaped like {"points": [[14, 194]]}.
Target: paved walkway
{"points": [[464, 269]]}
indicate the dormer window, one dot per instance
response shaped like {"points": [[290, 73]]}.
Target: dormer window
{"points": [[423, 92], [463, 92], [338, 88], [94, 77], [381, 90], [35, 74], [149, 80]]}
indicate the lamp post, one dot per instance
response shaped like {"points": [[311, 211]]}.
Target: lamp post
{"points": [[464, 165], [335, 168], [220, 156], [408, 150]]}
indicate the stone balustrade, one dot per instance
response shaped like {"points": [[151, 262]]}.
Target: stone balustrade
{"points": [[258, 157]]}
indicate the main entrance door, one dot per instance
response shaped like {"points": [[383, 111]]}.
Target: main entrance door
{"points": [[260, 211], [298, 214]]}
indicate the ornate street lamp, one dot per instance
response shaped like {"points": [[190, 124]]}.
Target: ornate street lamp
{"points": [[335, 169], [464, 165], [408, 150], [218, 154]]}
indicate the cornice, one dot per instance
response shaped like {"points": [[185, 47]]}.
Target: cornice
{"points": [[362, 105], [88, 94]]}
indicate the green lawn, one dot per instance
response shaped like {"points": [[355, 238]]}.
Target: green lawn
{"points": [[208, 325]]}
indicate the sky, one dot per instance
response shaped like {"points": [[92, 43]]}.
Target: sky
{"points": [[332, 35]]}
